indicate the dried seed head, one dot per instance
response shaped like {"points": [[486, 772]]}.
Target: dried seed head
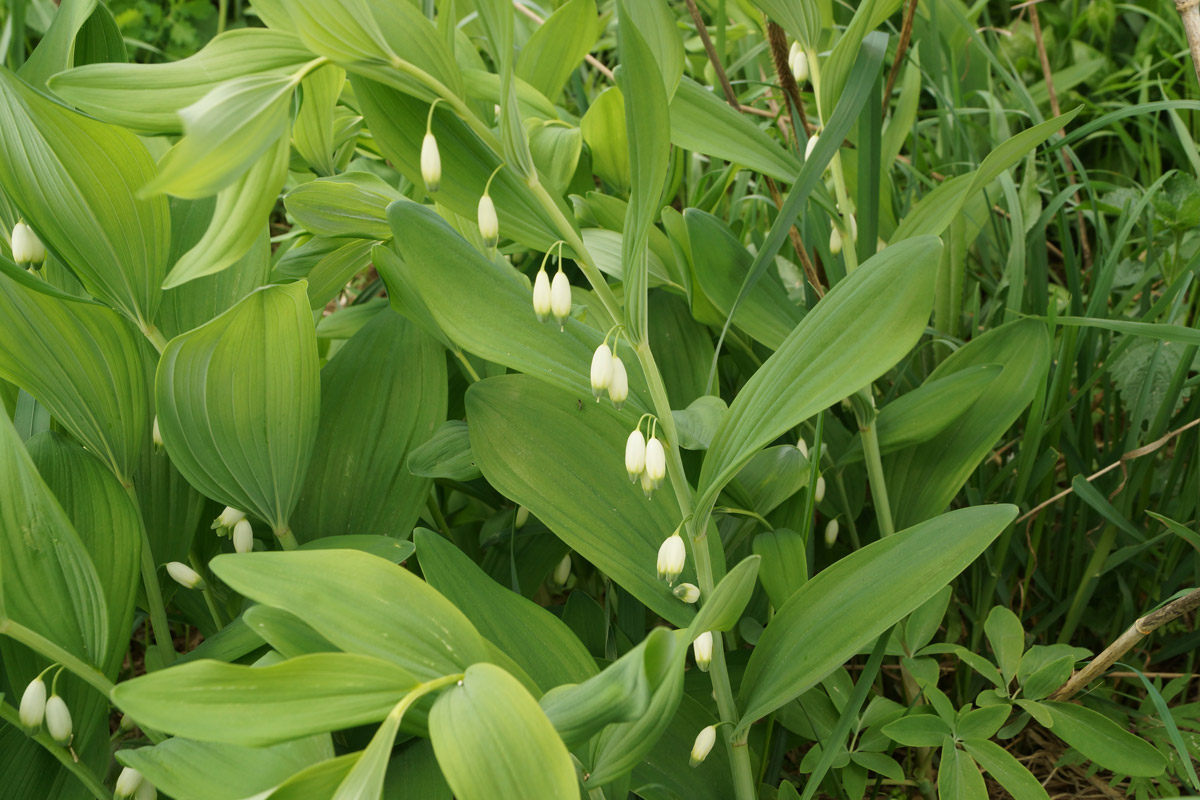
{"points": [[635, 455], [431, 163], [618, 387], [184, 575], [672, 555], [33, 704]]}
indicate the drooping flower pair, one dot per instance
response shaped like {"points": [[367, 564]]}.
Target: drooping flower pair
{"points": [[608, 372], [552, 298], [646, 459]]}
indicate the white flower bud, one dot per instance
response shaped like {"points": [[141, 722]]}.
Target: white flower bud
{"points": [[128, 782], [521, 517], [618, 387], [672, 555], [831, 532], [810, 146], [489, 224], [541, 296], [243, 536], [602, 370], [146, 792], [648, 486], [27, 248], [635, 455], [799, 64], [802, 446], [431, 164], [228, 518], [33, 704], [835, 241], [702, 650], [656, 461], [560, 298], [687, 592], [563, 571], [156, 435], [705, 740], [184, 575], [58, 720], [819, 494]]}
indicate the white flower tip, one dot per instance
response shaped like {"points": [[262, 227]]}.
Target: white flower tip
{"points": [[146, 791], [58, 720], [156, 435], [489, 223], [799, 65], [635, 455], [705, 740], [702, 649], [656, 461], [810, 146], [541, 296], [521, 517], [672, 555], [618, 385], [184, 575], [228, 518], [560, 298], [431, 163], [831, 532], [33, 704], [602, 370], [128, 782], [802, 446], [687, 592], [563, 571], [835, 241], [27, 248], [819, 494], [243, 536]]}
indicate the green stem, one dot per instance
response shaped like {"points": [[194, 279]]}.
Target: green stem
{"points": [[209, 601], [286, 537], [222, 12], [63, 754], [158, 611], [1090, 574], [420, 691], [155, 336], [874, 463], [839, 178], [35, 641]]}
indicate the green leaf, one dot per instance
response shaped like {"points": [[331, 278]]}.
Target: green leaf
{"points": [[53, 53], [1010, 773], [1101, 740], [148, 97], [349, 597], [73, 180], [870, 320], [47, 581], [107, 522], [240, 422], [770, 477], [313, 132], [724, 607], [1152, 330], [320, 780], [80, 360], [493, 741], [697, 423], [447, 455], [958, 777], [328, 264], [537, 640], [382, 393], [225, 132], [704, 123], [1007, 638], [284, 632], [353, 204], [256, 706], [922, 480], [239, 219], [555, 49], [784, 565], [801, 645], [471, 299], [523, 430], [603, 127], [802, 20], [188, 770], [366, 777], [918, 730], [982, 723]]}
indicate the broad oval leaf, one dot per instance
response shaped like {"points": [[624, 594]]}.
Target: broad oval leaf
{"points": [[861, 328], [361, 603], [211, 701], [523, 430], [1101, 740], [74, 181], [493, 741], [240, 421], [831, 617]]}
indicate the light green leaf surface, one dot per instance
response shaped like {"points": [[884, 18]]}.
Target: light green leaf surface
{"points": [[1101, 740]]}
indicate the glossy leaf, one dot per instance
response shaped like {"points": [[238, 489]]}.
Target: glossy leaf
{"points": [[492, 740], [349, 597], [801, 646], [255, 706], [240, 422]]}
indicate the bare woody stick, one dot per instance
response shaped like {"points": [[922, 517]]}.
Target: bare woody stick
{"points": [[1189, 12], [1140, 628]]}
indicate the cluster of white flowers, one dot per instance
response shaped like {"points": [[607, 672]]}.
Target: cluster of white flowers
{"points": [[798, 61], [431, 174], [646, 459], [231, 522], [552, 298], [37, 708], [608, 373]]}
